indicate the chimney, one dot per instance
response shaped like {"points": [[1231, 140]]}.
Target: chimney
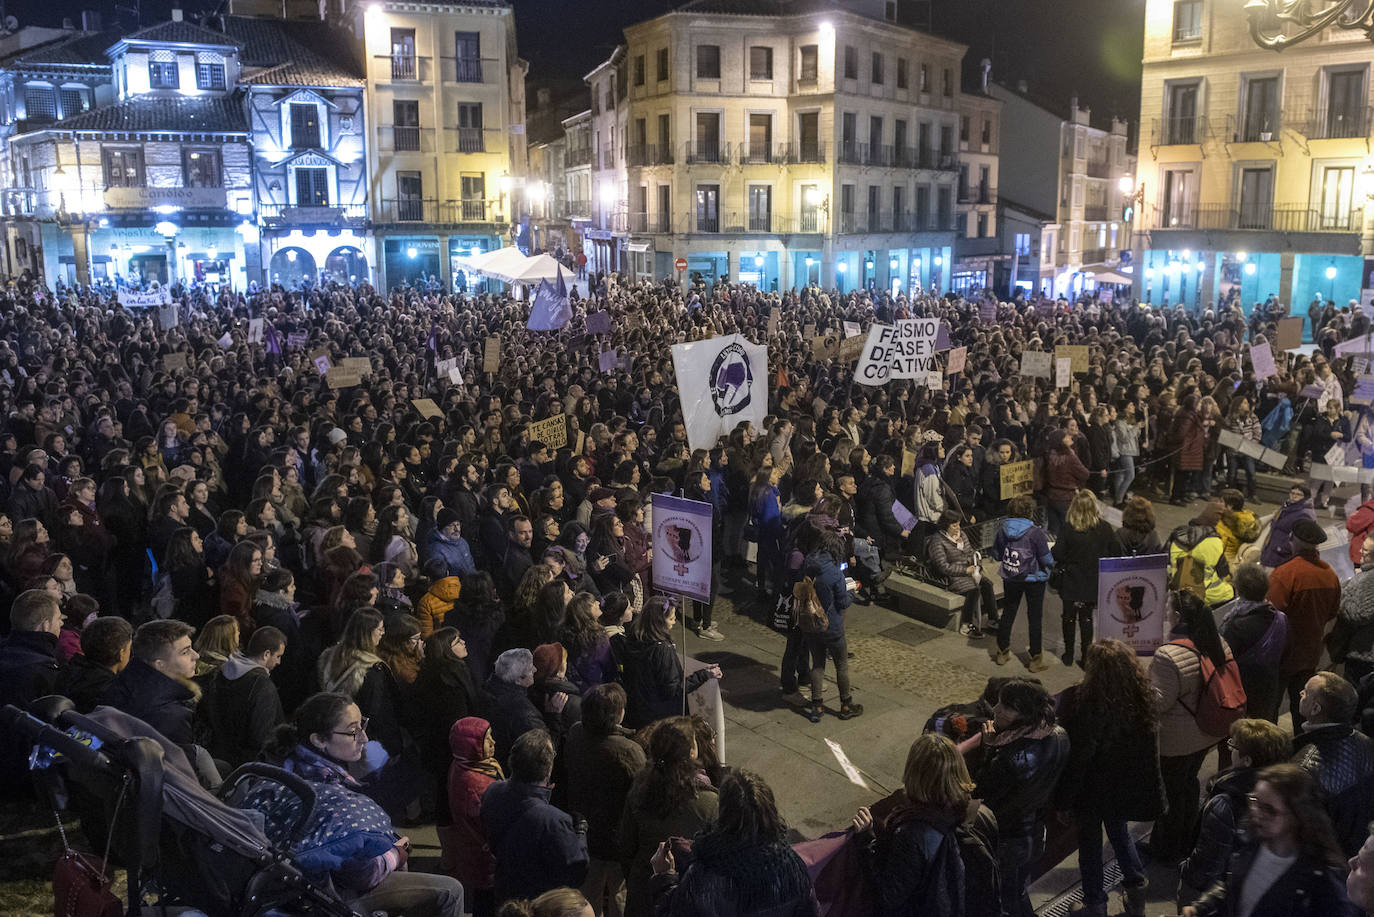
{"points": [[1073, 103], [176, 14], [985, 68], [90, 21], [543, 97]]}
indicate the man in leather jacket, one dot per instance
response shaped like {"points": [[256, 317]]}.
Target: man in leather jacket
{"points": [[1339, 757]]}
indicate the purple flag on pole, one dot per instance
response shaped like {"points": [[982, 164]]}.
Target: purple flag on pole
{"points": [[551, 309]]}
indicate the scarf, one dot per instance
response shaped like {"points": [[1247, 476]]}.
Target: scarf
{"points": [[999, 739], [488, 766]]}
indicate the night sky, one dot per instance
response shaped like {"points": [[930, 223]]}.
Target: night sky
{"points": [[1060, 47]]}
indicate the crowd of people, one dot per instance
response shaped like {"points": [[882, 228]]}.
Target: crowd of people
{"points": [[380, 582]]}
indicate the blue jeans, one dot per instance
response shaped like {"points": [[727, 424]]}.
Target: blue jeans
{"points": [[823, 645], [1125, 477], [1090, 855], [1236, 463]]}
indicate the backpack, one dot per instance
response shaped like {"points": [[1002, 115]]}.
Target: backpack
{"points": [[1269, 648], [807, 609], [982, 869], [1222, 700], [1019, 557]]}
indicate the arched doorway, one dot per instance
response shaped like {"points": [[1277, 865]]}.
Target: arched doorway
{"points": [[345, 264], [292, 266]]}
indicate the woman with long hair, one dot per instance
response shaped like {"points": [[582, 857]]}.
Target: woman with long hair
{"points": [[590, 660], [229, 531], [402, 648], [192, 581], [478, 615], [671, 797], [1113, 772], [1137, 533], [608, 541], [765, 518], [576, 540], [1084, 540], [352, 667], [216, 642], [1176, 679], [901, 852], [445, 692], [558, 902], [326, 738], [1292, 865], [652, 671], [393, 542], [239, 580], [740, 865]]}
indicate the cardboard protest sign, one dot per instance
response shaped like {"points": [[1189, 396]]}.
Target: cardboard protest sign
{"points": [[167, 316], [296, 340], [851, 329], [455, 375], [608, 361], [987, 311], [1037, 364], [491, 354], [360, 365], [171, 362], [1018, 479], [339, 377], [598, 322], [903, 350], [1063, 372], [1289, 335], [1077, 355], [1262, 359], [426, 407], [935, 381], [1229, 438], [957, 356], [1364, 390], [850, 349], [255, 330], [551, 431], [908, 462]]}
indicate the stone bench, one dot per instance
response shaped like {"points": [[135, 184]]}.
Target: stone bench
{"points": [[929, 603]]}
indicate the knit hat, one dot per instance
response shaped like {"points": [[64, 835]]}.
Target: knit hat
{"points": [[1308, 532], [548, 659], [446, 518], [336, 436]]}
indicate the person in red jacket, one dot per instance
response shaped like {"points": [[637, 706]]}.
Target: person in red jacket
{"points": [[1359, 524], [466, 855], [1065, 473], [1189, 436], [1308, 591]]}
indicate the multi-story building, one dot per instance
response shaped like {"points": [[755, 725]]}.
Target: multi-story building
{"points": [[1082, 174], [978, 250], [304, 98], [447, 157], [1257, 170], [777, 145]]}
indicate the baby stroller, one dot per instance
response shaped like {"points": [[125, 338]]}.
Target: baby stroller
{"points": [[136, 791]]}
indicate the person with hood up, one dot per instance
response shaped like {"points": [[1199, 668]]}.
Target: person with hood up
{"points": [[1023, 553], [1237, 526], [445, 542], [1308, 591], [1198, 548], [550, 680], [1257, 634], [465, 853], [438, 601], [1279, 547], [823, 566], [241, 704]]}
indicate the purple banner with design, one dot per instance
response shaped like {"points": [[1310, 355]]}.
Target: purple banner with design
{"points": [[1133, 601], [682, 546]]}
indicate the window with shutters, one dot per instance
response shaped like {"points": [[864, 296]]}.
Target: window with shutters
{"points": [[209, 75], [201, 169], [312, 187], [810, 64], [162, 70], [708, 62], [75, 100], [305, 126], [123, 167], [40, 103], [467, 56]]}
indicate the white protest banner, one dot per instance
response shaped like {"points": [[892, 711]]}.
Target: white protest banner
{"points": [[1037, 363], [682, 546], [707, 703], [936, 381], [1359, 345], [1229, 438], [296, 340], [1251, 448], [255, 331], [721, 382], [904, 350], [957, 357], [442, 367], [1336, 454], [1262, 359], [1063, 372], [1132, 601], [1272, 457], [143, 299], [455, 375], [850, 771], [851, 329], [226, 340]]}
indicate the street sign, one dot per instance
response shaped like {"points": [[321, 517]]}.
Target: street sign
{"points": [[680, 264]]}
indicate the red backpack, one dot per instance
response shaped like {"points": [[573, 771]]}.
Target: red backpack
{"points": [[1222, 700]]}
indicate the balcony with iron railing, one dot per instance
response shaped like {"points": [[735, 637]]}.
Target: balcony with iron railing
{"points": [[757, 152], [899, 221], [579, 156], [1335, 123], [807, 151], [1261, 128], [900, 157], [395, 138], [428, 210], [274, 215], [707, 153], [978, 194], [650, 223], [1095, 212], [462, 69], [1261, 217], [1098, 168], [404, 68], [1187, 131], [577, 209], [649, 154], [467, 140]]}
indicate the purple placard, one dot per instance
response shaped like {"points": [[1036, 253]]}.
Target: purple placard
{"points": [[904, 517], [296, 340], [682, 546], [598, 322], [609, 360]]}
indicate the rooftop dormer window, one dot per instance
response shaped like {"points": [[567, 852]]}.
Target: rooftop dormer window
{"points": [[162, 70], [209, 72]]}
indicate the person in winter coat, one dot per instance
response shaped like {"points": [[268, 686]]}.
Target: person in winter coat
{"points": [[1244, 422], [765, 516], [551, 680], [670, 797], [1137, 534], [241, 704], [445, 542], [1339, 757], [1023, 553], [1113, 772], [651, 670], [1359, 524], [1237, 526], [105, 651], [823, 566], [962, 483], [1189, 436], [1255, 745], [591, 661], [911, 854], [275, 606], [1024, 754], [741, 865], [352, 667], [873, 516], [28, 670], [952, 556], [1065, 474], [349, 841], [1351, 641], [601, 763], [1291, 866], [463, 840], [1199, 543], [1279, 547], [1084, 540], [1127, 429], [1329, 428], [437, 602], [1308, 591], [991, 505], [445, 692], [1257, 634], [1176, 679], [930, 493], [506, 701]]}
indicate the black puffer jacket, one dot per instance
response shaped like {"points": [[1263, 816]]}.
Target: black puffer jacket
{"points": [[1341, 760], [1018, 778], [913, 864], [1077, 553], [507, 708], [1219, 832], [164, 703], [873, 514], [730, 879]]}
